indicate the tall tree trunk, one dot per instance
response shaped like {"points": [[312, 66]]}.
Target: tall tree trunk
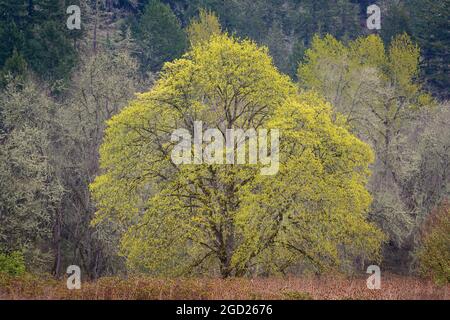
{"points": [[57, 244], [95, 27]]}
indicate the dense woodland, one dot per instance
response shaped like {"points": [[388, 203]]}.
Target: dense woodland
{"points": [[384, 91]]}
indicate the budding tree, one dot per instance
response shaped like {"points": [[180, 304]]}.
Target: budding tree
{"points": [[230, 219]]}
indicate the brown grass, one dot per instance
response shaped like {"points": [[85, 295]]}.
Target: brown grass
{"points": [[294, 288]]}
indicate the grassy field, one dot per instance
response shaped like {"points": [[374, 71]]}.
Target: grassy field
{"points": [[289, 288]]}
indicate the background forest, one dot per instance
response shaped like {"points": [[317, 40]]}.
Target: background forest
{"points": [[58, 87]]}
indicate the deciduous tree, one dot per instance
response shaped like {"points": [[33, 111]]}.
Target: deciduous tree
{"points": [[229, 219]]}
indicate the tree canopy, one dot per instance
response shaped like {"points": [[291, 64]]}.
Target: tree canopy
{"points": [[158, 35], [377, 90], [229, 219]]}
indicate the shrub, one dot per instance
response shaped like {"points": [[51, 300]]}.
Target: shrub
{"points": [[296, 295], [12, 264], [434, 255]]}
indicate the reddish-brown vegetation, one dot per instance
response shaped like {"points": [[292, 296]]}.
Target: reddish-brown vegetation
{"points": [[295, 288]]}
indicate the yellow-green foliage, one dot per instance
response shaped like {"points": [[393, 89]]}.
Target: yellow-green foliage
{"points": [[434, 256], [12, 264], [377, 91], [202, 28], [229, 219], [346, 74]]}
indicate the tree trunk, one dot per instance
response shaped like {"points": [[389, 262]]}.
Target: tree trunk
{"points": [[57, 244]]}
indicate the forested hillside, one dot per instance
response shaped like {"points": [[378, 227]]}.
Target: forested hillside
{"points": [[364, 173]]}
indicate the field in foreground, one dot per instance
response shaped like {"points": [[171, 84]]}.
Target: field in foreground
{"points": [[293, 288]]}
